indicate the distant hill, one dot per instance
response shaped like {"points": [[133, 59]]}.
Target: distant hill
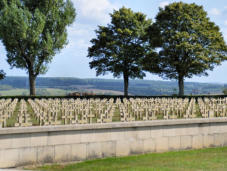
{"points": [[106, 86]]}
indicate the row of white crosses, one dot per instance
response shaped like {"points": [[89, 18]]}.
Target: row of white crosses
{"points": [[87, 111], [44, 111], [210, 107], [82, 111], [191, 109], [7, 108], [54, 112], [23, 117], [151, 109], [95, 110]]}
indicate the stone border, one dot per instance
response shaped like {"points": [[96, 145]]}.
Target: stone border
{"points": [[114, 125]]}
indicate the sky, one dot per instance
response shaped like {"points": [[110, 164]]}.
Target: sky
{"points": [[72, 61]]}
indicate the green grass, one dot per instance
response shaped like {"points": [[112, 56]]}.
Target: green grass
{"points": [[205, 159], [40, 91], [10, 122], [30, 111], [117, 117], [14, 92], [56, 92]]}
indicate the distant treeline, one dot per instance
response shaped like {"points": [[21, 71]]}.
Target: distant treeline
{"points": [[136, 87]]}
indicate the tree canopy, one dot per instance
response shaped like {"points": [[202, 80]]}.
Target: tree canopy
{"points": [[120, 46], [2, 74], [33, 32], [188, 43]]}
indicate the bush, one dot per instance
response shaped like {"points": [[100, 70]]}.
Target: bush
{"points": [[225, 91]]}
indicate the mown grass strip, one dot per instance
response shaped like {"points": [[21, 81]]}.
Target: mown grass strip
{"points": [[30, 111], [204, 159], [10, 122]]}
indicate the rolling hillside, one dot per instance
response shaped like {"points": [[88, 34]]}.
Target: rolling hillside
{"points": [[65, 85]]}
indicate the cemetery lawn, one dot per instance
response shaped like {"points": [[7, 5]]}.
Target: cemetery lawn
{"points": [[204, 159]]}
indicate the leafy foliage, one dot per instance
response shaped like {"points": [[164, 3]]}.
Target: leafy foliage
{"points": [[189, 43], [34, 31], [2, 74], [225, 91], [120, 46]]}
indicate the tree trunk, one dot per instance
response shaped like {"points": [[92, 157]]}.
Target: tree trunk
{"points": [[125, 84], [32, 83], [181, 85]]}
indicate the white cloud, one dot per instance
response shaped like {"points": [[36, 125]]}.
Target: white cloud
{"points": [[215, 11], [82, 44], [94, 10], [163, 4], [79, 36], [80, 30], [225, 22], [224, 31], [90, 13]]}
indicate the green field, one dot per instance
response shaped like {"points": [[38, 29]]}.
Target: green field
{"points": [[108, 86], [54, 92], [39, 91], [205, 159]]}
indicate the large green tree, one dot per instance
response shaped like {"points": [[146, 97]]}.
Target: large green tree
{"points": [[2, 74], [187, 41], [33, 31], [121, 46]]}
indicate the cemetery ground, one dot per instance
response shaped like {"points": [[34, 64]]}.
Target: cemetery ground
{"points": [[203, 159], [43, 112], [18, 112]]}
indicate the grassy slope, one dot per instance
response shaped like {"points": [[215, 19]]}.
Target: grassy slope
{"points": [[54, 92], [51, 92], [136, 87], [205, 159], [14, 92]]}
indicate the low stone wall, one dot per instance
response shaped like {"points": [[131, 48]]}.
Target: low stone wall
{"points": [[36, 145]]}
